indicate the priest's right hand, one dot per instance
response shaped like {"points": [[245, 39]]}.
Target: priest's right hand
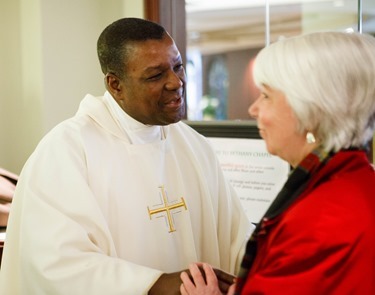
{"points": [[167, 284]]}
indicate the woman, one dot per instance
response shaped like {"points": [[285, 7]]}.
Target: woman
{"points": [[316, 111]]}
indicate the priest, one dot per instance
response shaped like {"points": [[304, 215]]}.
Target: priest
{"points": [[122, 197]]}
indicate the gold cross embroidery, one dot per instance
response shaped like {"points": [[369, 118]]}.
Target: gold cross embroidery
{"points": [[167, 208]]}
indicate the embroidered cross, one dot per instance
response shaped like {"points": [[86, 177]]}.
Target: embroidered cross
{"points": [[167, 209]]}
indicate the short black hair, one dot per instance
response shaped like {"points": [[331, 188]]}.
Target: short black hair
{"points": [[112, 44]]}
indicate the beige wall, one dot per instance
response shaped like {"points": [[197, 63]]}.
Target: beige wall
{"points": [[47, 64]]}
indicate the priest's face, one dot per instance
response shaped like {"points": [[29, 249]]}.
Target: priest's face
{"points": [[152, 90]]}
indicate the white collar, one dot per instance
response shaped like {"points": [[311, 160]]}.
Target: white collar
{"points": [[137, 132]]}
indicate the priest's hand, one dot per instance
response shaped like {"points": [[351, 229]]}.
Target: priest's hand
{"points": [[225, 280], [167, 284]]}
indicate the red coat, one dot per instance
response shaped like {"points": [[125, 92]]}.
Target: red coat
{"points": [[324, 243]]}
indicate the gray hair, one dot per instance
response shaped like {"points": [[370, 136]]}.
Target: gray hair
{"points": [[328, 79]]}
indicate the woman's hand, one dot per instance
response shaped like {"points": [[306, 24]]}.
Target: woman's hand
{"points": [[203, 281]]}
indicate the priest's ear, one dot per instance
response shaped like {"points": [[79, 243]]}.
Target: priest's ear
{"points": [[113, 84]]}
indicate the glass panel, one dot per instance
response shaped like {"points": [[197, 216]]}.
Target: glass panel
{"points": [[224, 36]]}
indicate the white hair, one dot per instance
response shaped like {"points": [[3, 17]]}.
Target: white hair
{"points": [[328, 79]]}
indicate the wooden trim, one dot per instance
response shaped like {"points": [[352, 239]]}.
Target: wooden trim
{"points": [[1, 251], [2, 231], [171, 14], [226, 128], [151, 10]]}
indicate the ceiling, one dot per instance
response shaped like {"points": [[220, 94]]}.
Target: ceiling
{"points": [[215, 26]]}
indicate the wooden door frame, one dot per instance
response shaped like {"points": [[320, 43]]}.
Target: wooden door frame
{"points": [[171, 15]]}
